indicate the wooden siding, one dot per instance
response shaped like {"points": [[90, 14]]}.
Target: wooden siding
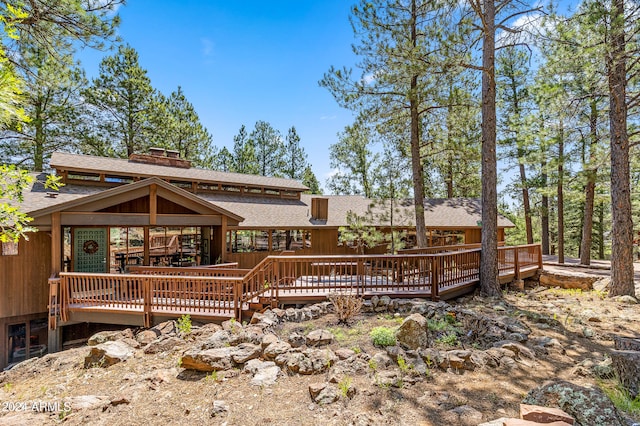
{"points": [[23, 278], [142, 205]]}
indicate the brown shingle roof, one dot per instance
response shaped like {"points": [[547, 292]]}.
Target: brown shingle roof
{"points": [[123, 167], [271, 212]]}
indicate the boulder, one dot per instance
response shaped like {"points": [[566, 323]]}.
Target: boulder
{"points": [[568, 281], [296, 340], [412, 333], [540, 414], [245, 352], [163, 344], [463, 415], [344, 353], [272, 351], [219, 339], [146, 336], [319, 338], [107, 354], [208, 360], [165, 328], [109, 336], [265, 373], [588, 406]]}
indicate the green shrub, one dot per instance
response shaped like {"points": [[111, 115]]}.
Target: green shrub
{"points": [[184, 324], [383, 336]]}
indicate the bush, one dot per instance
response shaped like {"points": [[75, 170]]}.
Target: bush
{"points": [[345, 305], [184, 324], [383, 336]]}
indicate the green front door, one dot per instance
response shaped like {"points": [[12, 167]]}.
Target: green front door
{"points": [[90, 250]]}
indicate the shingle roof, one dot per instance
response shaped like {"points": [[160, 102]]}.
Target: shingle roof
{"points": [[272, 212], [119, 166]]}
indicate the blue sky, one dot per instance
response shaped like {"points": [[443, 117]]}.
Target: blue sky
{"points": [[243, 61]]}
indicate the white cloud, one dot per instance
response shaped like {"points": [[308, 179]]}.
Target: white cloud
{"points": [[368, 79], [526, 27], [207, 46], [332, 173]]}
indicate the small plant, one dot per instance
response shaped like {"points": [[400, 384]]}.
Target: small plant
{"points": [[356, 349], [621, 397], [383, 336], [344, 385], [7, 387], [179, 363], [212, 377], [184, 324], [449, 339], [373, 365], [402, 364], [346, 305]]}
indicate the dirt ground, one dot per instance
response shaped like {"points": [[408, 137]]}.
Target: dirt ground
{"points": [[153, 389]]}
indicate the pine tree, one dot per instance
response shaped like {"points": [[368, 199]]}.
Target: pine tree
{"points": [[295, 159], [269, 149], [120, 102]]}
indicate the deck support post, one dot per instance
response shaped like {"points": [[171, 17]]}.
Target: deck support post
{"points": [[54, 340], [360, 284], [276, 266], [516, 264], [237, 303]]}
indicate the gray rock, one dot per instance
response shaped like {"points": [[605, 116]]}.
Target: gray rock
{"points": [[208, 360], [272, 351], [384, 301], [296, 340], [516, 348], [629, 300], [465, 415], [268, 339], [588, 332], [165, 328], [588, 406], [146, 336], [219, 408], [108, 336], [381, 360], [344, 353], [316, 361], [319, 338], [163, 344], [374, 301], [388, 378], [328, 395], [245, 352], [107, 354], [266, 376], [412, 334], [219, 339]]}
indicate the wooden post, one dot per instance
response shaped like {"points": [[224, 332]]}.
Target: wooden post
{"points": [[56, 244], [516, 267], [360, 278], [147, 295], [539, 248], [237, 308], [153, 204], [147, 242], [434, 278], [275, 292]]}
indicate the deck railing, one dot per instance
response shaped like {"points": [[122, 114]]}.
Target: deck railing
{"points": [[226, 292]]}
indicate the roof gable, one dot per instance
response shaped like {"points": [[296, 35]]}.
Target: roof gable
{"points": [[126, 193]]}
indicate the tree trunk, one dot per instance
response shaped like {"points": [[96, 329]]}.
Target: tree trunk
{"points": [[526, 204], [38, 154], [416, 163], [590, 189], [544, 214], [622, 225], [560, 193], [601, 231], [489, 283]]}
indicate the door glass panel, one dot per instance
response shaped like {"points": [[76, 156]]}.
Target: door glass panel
{"points": [[17, 342], [90, 250]]}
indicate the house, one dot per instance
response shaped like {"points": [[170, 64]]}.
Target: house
{"points": [[112, 214]]}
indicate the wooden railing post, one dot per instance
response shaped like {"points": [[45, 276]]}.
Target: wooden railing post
{"points": [[434, 278], [539, 249], [237, 303], [276, 267], [147, 296], [54, 302], [516, 262], [360, 278]]}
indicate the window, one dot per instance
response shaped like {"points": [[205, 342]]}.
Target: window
{"points": [[245, 241], [10, 249], [293, 239]]}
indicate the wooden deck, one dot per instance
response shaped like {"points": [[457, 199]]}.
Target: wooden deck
{"points": [[153, 294]]}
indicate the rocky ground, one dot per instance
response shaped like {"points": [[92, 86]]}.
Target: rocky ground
{"points": [[463, 363]]}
